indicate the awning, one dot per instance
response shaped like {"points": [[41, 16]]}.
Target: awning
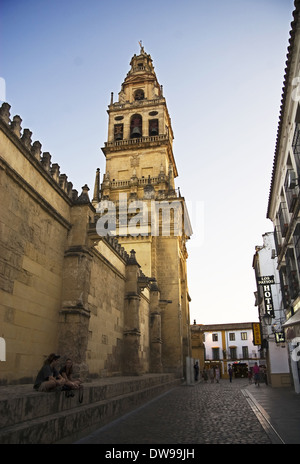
{"points": [[295, 319]]}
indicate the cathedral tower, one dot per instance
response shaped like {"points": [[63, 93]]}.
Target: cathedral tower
{"points": [[150, 215]]}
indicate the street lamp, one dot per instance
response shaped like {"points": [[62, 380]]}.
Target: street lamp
{"points": [[267, 319]]}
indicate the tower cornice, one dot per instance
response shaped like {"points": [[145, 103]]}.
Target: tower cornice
{"points": [[118, 106]]}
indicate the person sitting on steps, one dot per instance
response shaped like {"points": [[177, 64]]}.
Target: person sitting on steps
{"points": [[48, 378], [67, 373]]}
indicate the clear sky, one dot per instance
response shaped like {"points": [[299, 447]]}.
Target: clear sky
{"points": [[221, 64]]}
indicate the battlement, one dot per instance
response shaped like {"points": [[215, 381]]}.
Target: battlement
{"points": [[114, 243], [34, 149]]}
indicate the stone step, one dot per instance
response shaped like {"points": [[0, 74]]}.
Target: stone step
{"points": [[29, 417]]}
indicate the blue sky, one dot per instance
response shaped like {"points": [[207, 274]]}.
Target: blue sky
{"points": [[221, 65]]}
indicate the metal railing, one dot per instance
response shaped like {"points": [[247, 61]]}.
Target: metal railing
{"points": [[135, 141]]}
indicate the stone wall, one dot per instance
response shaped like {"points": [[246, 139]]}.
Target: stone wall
{"points": [[106, 302], [34, 221], [62, 287]]}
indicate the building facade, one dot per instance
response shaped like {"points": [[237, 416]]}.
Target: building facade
{"points": [[224, 344], [116, 302], [284, 199], [271, 313]]}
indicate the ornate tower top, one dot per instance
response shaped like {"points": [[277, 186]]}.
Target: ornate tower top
{"points": [[141, 73], [139, 125], [139, 149]]}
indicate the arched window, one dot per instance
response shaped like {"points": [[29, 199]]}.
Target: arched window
{"points": [[136, 126], [139, 94], [153, 127], [118, 132]]}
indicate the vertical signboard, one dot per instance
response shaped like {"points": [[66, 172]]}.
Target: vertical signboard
{"points": [[265, 282], [256, 333]]}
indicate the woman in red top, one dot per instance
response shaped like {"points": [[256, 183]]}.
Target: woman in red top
{"points": [[256, 374]]}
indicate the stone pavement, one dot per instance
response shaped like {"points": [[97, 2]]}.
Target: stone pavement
{"points": [[224, 413], [278, 409]]}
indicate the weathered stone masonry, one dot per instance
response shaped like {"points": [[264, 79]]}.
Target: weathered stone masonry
{"points": [[63, 288], [116, 306]]}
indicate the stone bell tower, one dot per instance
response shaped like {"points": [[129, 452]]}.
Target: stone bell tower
{"points": [[151, 216]]}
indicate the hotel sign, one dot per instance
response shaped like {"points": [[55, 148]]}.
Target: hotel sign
{"points": [[256, 333], [279, 337], [265, 282]]}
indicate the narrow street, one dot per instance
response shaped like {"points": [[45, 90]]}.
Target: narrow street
{"points": [[218, 413]]}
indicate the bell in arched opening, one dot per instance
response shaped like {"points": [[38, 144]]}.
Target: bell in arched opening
{"points": [[136, 127], [136, 132], [118, 132], [153, 127], [139, 94]]}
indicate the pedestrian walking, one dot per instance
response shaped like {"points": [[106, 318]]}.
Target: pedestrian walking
{"points": [[205, 376], [250, 376], [230, 372], [264, 374], [256, 374], [211, 375], [196, 369], [217, 372]]}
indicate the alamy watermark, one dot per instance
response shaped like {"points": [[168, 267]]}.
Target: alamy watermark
{"points": [[152, 217], [295, 355]]}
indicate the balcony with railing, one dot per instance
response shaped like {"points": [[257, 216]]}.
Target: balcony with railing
{"points": [[293, 284], [283, 219], [296, 147], [277, 240], [291, 189], [238, 357], [140, 182], [137, 103], [292, 273], [136, 141]]}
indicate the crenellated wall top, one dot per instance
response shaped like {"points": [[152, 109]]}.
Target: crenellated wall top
{"points": [[34, 149]]}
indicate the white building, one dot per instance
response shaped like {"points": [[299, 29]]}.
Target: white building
{"points": [[271, 314], [230, 344], [284, 197]]}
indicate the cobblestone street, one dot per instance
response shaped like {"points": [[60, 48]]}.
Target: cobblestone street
{"points": [[205, 413]]}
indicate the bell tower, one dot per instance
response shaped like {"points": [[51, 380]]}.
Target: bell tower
{"points": [[151, 215], [140, 136]]}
